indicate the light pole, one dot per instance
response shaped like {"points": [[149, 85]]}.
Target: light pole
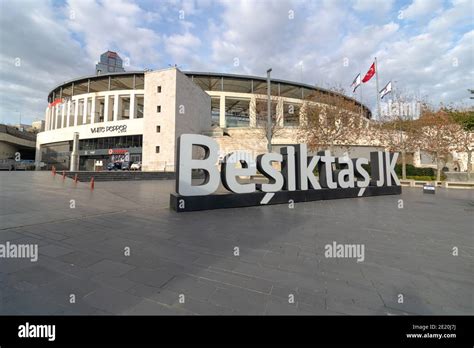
{"points": [[19, 114], [269, 112]]}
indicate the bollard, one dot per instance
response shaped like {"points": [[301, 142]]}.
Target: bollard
{"points": [[92, 183], [75, 178]]}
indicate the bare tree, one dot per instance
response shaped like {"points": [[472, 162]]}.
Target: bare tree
{"points": [[464, 136], [437, 133], [398, 133], [331, 120], [465, 141], [259, 108]]}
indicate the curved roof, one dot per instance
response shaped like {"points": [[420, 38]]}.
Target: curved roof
{"points": [[217, 75], [87, 77]]}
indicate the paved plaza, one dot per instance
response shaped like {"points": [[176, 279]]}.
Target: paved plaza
{"points": [[120, 250]]}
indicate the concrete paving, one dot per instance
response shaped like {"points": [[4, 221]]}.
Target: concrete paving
{"points": [[120, 250]]}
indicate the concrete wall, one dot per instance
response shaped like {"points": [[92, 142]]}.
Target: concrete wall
{"points": [[459, 177], [253, 140], [165, 119], [193, 110], [185, 108], [7, 150]]}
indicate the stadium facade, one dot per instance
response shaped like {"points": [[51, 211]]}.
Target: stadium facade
{"points": [[140, 114]]}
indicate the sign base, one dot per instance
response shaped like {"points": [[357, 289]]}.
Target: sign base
{"points": [[219, 201]]}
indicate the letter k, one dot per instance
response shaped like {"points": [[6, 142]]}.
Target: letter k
{"points": [[305, 171], [390, 168]]}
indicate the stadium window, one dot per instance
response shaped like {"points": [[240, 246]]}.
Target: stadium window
{"points": [[157, 149], [158, 129], [158, 108], [159, 89]]}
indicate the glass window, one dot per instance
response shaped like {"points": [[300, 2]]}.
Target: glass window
{"points": [[121, 82], [139, 108], [71, 114], [56, 94], [215, 107], [237, 112], [237, 85], [99, 84], [289, 91], [80, 112], [260, 87], [67, 91], [125, 112], [99, 109], [88, 111], [139, 81], [208, 83], [80, 88]]}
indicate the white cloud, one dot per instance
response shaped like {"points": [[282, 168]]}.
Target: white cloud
{"points": [[115, 25], [420, 9], [374, 6], [458, 15], [46, 55], [180, 46], [55, 44]]}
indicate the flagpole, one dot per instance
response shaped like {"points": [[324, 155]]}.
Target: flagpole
{"points": [[395, 98], [377, 86], [360, 95]]}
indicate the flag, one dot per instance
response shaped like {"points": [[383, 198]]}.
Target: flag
{"points": [[369, 74], [356, 83], [386, 90]]}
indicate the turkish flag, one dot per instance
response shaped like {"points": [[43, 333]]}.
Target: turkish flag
{"points": [[369, 74]]}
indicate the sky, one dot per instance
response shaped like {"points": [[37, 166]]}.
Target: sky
{"points": [[425, 47]]}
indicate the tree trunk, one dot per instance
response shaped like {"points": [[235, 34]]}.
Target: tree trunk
{"points": [[438, 169], [331, 148], [404, 165], [469, 159]]}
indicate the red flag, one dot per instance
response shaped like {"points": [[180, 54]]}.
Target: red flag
{"points": [[369, 74]]}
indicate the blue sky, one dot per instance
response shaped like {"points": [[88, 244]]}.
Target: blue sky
{"points": [[425, 45]]}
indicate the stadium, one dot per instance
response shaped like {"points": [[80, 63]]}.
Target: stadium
{"points": [[137, 116]]}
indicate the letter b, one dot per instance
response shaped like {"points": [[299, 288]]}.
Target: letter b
{"points": [[186, 164]]}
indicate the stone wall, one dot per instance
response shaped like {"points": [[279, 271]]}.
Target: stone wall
{"points": [[185, 108]]}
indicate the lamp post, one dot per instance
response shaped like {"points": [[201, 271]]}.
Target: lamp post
{"points": [[269, 112], [19, 115]]}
